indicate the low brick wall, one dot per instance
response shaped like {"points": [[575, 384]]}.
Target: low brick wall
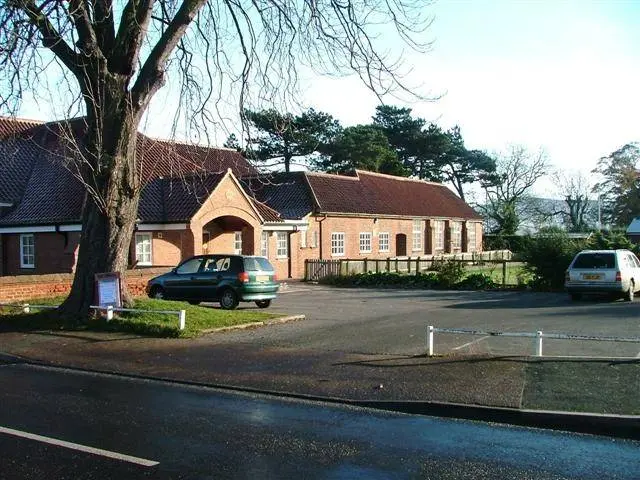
{"points": [[23, 287]]}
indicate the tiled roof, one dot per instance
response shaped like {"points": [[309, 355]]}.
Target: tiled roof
{"points": [[379, 194], [287, 193], [43, 191], [175, 199], [10, 127], [52, 194]]}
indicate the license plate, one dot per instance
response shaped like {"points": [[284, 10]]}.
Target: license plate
{"points": [[593, 276], [262, 278]]}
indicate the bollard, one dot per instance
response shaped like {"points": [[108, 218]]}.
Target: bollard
{"points": [[183, 314], [430, 341], [109, 313], [538, 341], [25, 308]]}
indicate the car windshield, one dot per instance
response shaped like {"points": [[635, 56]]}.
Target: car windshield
{"points": [[595, 260], [257, 264]]}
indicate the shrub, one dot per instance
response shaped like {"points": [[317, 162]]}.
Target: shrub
{"points": [[449, 272], [548, 256], [477, 281], [515, 243]]}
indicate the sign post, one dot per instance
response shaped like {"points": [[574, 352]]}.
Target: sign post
{"points": [[108, 290]]}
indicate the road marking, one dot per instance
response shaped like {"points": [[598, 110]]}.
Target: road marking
{"points": [[470, 343], [82, 448]]}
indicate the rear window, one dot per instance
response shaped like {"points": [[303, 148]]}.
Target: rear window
{"points": [[595, 260], [257, 264]]}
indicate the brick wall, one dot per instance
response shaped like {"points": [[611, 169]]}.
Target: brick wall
{"points": [[54, 253], [24, 287]]}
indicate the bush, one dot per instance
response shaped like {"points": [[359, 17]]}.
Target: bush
{"points": [[611, 240], [450, 272], [477, 281], [548, 257]]}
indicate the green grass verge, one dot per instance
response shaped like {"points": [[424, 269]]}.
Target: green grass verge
{"points": [[611, 387], [198, 319]]}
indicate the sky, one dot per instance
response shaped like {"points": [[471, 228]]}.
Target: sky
{"points": [[558, 75]]}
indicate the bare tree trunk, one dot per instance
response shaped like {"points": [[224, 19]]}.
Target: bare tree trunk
{"points": [[110, 214]]}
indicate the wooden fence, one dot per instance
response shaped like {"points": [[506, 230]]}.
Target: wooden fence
{"points": [[318, 269]]}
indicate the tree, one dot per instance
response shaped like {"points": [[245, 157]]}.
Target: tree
{"points": [[281, 137], [232, 143], [619, 185], [113, 56], [363, 147], [460, 166], [577, 210], [506, 191]]}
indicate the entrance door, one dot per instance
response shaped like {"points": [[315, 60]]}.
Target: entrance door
{"points": [[401, 245]]}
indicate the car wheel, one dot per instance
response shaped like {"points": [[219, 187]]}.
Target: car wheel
{"points": [[629, 296], [575, 296], [157, 293], [228, 299], [263, 303]]}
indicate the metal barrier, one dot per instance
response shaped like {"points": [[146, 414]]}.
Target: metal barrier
{"points": [[538, 336], [182, 314]]}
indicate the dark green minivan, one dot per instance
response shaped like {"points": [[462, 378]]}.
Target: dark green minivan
{"points": [[229, 279]]}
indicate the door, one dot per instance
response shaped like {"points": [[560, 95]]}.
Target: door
{"points": [[179, 285], [401, 245]]}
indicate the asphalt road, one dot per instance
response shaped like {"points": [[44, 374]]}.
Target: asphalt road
{"points": [[150, 429], [382, 321]]}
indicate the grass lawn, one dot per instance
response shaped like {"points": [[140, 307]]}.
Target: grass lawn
{"points": [[516, 275], [198, 318], [583, 386]]}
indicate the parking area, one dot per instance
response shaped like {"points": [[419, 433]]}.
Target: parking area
{"points": [[394, 322]]}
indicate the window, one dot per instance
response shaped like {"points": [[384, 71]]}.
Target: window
{"points": [[365, 242], [314, 240], [439, 240], [190, 266], [471, 237], [264, 244], [383, 241], [282, 244], [143, 248], [417, 235], [237, 243], [303, 239], [337, 244], [27, 251], [456, 235]]}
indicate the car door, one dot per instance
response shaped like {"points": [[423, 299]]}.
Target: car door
{"points": [[206, 281], [179, 285], [635, 265]]}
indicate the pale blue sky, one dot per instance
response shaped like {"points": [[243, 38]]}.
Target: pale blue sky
{"points": [[562, 75], [555, 74]]}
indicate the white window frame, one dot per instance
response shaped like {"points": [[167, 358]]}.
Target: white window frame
{"points": [[365, 242], [264, 244], [303, 239], [32, 254], [471, 237], [418, 238], [381, 247], [237, 243], [282, 245], [456, 235], [139, 254], [439, 237], [338, 244]]}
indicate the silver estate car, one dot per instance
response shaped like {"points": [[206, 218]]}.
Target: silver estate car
{"points": [[613, 272]]}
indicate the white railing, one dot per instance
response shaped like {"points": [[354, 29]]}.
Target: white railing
{"points": [[182, 314], [537, 336]]}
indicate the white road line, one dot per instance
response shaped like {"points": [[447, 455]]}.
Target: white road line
{"points": [[470, 343], [82, 448]]}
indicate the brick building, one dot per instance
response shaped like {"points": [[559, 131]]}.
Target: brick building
{"points": [[198, 200]]}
